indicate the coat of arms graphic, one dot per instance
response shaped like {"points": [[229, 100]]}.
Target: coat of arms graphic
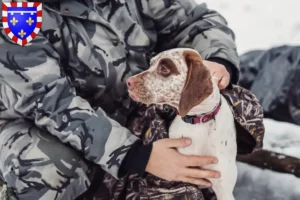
{"points": [[22, 21]]}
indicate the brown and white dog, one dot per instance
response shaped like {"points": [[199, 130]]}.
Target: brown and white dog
{"points": [[179, 78]]}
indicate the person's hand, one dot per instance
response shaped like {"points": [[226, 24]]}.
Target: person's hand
{"points": [[167, 163], [219, 72]]}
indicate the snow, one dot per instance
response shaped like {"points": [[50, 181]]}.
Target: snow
{"points": [[257, 184], [282, 137], [260, 24]]}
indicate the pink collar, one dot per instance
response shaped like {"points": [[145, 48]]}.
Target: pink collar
{"points": [[203, 118]]}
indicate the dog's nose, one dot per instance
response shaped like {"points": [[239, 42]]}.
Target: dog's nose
{"points": [[131, 83]]}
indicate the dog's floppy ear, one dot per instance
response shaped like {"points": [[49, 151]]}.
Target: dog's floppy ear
{"points": [[198, 85]]}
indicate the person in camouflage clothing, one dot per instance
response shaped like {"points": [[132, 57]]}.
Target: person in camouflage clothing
{"points": [[64, 106]]}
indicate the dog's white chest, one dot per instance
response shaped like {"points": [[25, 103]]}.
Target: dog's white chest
{"points": [[213, 138]]}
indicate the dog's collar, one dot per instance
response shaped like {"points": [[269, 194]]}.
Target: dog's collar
{"points": [[203, 118]]}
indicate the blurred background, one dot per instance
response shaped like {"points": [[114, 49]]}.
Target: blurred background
{"points": [[268, 40], [261, 23]]}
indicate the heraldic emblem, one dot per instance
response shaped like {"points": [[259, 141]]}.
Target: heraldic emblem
{"points": [[22, 21]]}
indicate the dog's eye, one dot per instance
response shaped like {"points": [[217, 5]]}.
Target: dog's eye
{"points": [[164, 70]]}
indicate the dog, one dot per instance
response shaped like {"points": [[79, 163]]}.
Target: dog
{"points": [[179, 78]]}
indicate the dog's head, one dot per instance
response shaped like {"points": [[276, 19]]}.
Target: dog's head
{"points": [[176, 77]]}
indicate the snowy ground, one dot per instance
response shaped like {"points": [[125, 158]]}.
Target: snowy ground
{"points": [[282, 138], [261, 24], [256, 184]]}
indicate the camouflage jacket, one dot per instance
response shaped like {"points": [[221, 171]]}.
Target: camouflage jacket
{"points": [[70, 78]]}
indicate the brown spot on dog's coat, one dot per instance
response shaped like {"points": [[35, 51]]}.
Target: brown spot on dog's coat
{"points": [[198, 85], [169, 65]]}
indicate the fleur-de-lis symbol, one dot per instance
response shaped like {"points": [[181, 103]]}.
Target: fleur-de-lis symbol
{"points": [[29, 21], [22, 33], [14, 21]]}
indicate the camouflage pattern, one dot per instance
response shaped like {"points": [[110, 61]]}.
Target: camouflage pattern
{"points": [[247, 112], [35, 164], [69, 82], [151, 124], [148, 123]]}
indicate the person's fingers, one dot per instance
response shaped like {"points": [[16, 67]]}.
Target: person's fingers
{"points": [[224, 79], [194, 181], [217, 77], [200, 173], [177, 143], [197, 161], [223, 83]]}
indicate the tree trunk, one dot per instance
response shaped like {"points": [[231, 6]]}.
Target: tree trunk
{"points": [[273, 161]]}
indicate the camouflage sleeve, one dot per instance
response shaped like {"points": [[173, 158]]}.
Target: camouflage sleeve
{"points": [[183, 23], [33, 86]]}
